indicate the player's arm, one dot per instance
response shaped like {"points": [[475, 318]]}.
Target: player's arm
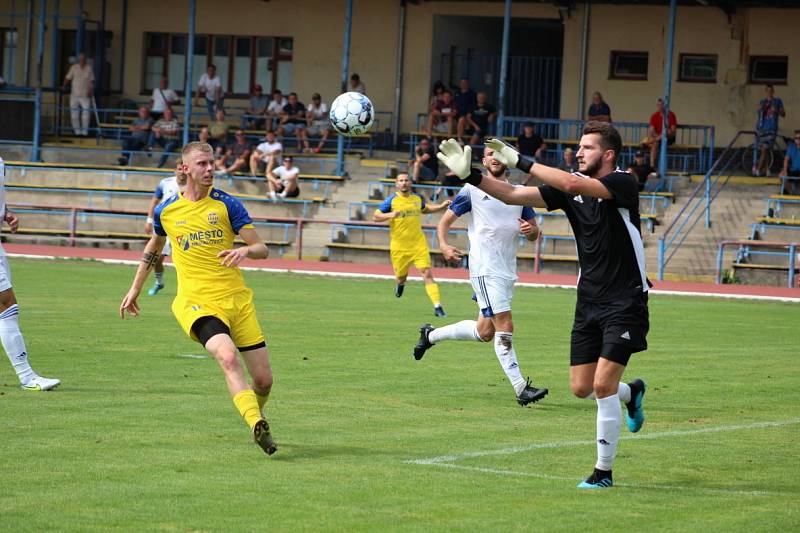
{"points": [[529, 228], [12, 220], [450, 253], [148, 226], [435, 208], [254, 249], [379, 216], [152, 251]]}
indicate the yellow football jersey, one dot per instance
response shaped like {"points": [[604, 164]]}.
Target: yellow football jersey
{"points": [[405, 229], [198, 231]]}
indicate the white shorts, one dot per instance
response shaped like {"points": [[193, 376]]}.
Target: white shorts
{"points": [[167, 250], [5, 271], [493, 294]]}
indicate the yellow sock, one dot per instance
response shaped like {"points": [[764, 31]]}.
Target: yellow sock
{"points": [[262, 400], [247, 404], [433, 293]]}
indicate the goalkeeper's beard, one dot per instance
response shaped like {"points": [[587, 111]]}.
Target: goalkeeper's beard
{"points": [[497, 173]]}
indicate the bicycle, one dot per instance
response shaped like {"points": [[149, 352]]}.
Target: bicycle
{"points": [[774, 157]]}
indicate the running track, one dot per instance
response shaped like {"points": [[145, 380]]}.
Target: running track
{"points": [[385, 271]]}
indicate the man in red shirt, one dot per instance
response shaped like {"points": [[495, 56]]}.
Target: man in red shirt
{"points": [[653, 139]]}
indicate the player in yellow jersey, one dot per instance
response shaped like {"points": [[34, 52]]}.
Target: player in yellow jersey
{"points": [[213, 305], [408, 244]]}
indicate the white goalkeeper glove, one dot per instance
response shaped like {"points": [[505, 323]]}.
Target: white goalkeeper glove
{"points": [[459, 160], [507, 155]]}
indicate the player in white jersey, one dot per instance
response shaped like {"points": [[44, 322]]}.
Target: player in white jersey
{"points": [[10, 335], [166, 188], [493, 228]]}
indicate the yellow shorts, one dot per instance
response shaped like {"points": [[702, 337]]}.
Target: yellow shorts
{"points": [[236, 311], [402, 260]]}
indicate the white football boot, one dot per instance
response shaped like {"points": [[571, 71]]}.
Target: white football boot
{"points": [[40, 383]]}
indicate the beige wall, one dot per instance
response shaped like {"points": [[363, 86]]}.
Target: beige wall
{"points": [[316, 27]]}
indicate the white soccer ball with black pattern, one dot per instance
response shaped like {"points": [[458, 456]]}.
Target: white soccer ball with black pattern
{"points": [[352, 114]]}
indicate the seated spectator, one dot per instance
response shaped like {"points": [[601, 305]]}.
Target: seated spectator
{"points": [[653, 139], [218, 132], [356, 85], [568, 164], [256, 109], [791, 166], [164, 133], [530, 143], [236, 155], [140, 132], [442, 118], [646, 174], [266, 155], [203, 136], [163, 98], [425, 165], [465, 98], [282, 181], [436, 95], [476, 122], [599, 109], [2, 82], [318, 121], [274, 109], [293, 121]]}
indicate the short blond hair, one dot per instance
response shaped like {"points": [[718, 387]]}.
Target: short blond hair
{"points": [[196, 146]]}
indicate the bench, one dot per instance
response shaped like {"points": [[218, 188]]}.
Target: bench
{"points": [[763, 274]]}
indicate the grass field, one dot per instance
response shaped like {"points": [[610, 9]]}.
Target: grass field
{"points": [[140, 437]]}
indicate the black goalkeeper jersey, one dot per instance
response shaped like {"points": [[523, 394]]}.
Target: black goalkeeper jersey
{"points": [[608, 238]]}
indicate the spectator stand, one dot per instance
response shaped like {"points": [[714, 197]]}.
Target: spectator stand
{"points": [[777, 262]]}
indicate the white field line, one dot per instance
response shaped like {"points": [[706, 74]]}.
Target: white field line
{"points": [[417, 278], [627, 485], [570, 443]]}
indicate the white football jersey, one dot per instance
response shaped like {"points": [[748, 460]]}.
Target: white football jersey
{"points": [[493, 229], [167, 188]]}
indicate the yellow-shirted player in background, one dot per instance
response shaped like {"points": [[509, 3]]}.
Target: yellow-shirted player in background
{"points": [[408, 244], [213, 305]]}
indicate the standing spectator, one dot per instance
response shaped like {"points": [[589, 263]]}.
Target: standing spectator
{"points": [[256, 109], [236, 156], [218, 132], [293, 120], [568, 164], [425, 165], [645, 173], [530, 143], [653, 139], [81, 79], [266, 153], [211, 87], [163, 98], [791, 166], [442, 118], [465, 98], [275, 108], [599, 109], [282, 181], [356, 85], [318, 121], [476, 122], [165, 134], [770, 109], [140, 133]]}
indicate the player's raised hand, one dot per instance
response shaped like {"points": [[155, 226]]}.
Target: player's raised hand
{"points": [[457, 159], [232, 257], [129, 304], [451, 253], [503, 152]]}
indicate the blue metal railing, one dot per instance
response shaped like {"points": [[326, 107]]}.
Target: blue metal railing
{"points": [[699, 203]]}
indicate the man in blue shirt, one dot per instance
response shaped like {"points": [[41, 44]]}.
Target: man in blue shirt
{"points": [[770, 109], [465, 98], [791, 166]]}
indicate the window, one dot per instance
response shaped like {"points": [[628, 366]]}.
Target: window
{"points": [[698, 68], [8, 47], [769, 69], [628, 66], [241, 61]]}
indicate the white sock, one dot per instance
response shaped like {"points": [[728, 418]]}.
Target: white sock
{"points": [[14, 344], [609, 419], [504, 349], [160, 278], [624, 392], [466, 330]]}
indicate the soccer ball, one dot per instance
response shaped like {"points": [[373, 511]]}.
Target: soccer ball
{"points": [[352, 114]]}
